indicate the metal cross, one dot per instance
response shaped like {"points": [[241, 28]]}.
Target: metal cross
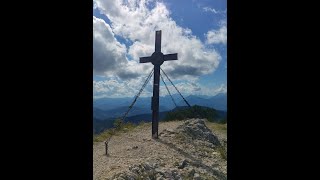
{"points": [[157, 59]]}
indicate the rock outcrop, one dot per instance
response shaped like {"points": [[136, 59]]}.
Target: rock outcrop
{"points": [[200, 156], [196, 129]]}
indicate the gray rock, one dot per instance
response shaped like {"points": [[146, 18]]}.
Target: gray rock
{"points": [[169, 131], [197, 130], [155, 165], [160, 178], [147, 166], [135, 169], [175, 175], [196, 176], [191, 173], [183, 164]]}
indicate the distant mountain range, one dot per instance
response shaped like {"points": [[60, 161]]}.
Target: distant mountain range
{"points": [[218, 101], [99, 125], [106, 108]]}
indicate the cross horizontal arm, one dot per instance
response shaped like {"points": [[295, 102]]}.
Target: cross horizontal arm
{"points": [[145, 59], [168, 57]]}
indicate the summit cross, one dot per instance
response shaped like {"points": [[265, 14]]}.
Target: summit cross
{"points": [[157, 59]]}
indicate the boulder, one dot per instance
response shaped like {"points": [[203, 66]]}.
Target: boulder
{"points": [[197, 130]]}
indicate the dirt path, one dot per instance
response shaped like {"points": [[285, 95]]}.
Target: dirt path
{"points": [[123, 154]]}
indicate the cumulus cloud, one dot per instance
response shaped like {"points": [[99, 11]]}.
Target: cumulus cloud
{"points": [[217, 36], [114, 87], [211, 91], [134, 21], [109, 55], [221, 89]]}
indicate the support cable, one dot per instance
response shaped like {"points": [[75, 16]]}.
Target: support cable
{"points": [[196, 113], [168, 90], [140, 91]]}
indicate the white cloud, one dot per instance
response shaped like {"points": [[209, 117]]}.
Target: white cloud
{"points": [[208, 9], [133, 20], [117, 88], [217, 36], [109, 55], [94, 5], [213, 91], [186, 88], [114, 87], [221, 89]]}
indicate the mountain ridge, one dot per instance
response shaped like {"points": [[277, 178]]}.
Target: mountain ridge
{"points": [[100, 125], [113, 107]]}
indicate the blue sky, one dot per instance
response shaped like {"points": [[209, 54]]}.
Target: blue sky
{"points": [[124, 31]]}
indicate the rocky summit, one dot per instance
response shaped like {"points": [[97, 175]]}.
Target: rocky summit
{"points": [[185, 150], [196, 129]]}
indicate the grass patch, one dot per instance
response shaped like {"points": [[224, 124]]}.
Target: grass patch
{"points": [[103, 136], [222, 152], [142, 123], [127, 127], [120, 127], [217, 126], [204, 149]]}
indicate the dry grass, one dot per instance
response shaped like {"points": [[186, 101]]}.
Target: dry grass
{"points": [[222, 152], [222, 128], [109, 132], [102, 136]]}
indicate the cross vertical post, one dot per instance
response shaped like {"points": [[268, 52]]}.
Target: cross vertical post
{"points": [[155, 101], [157, 59]]}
